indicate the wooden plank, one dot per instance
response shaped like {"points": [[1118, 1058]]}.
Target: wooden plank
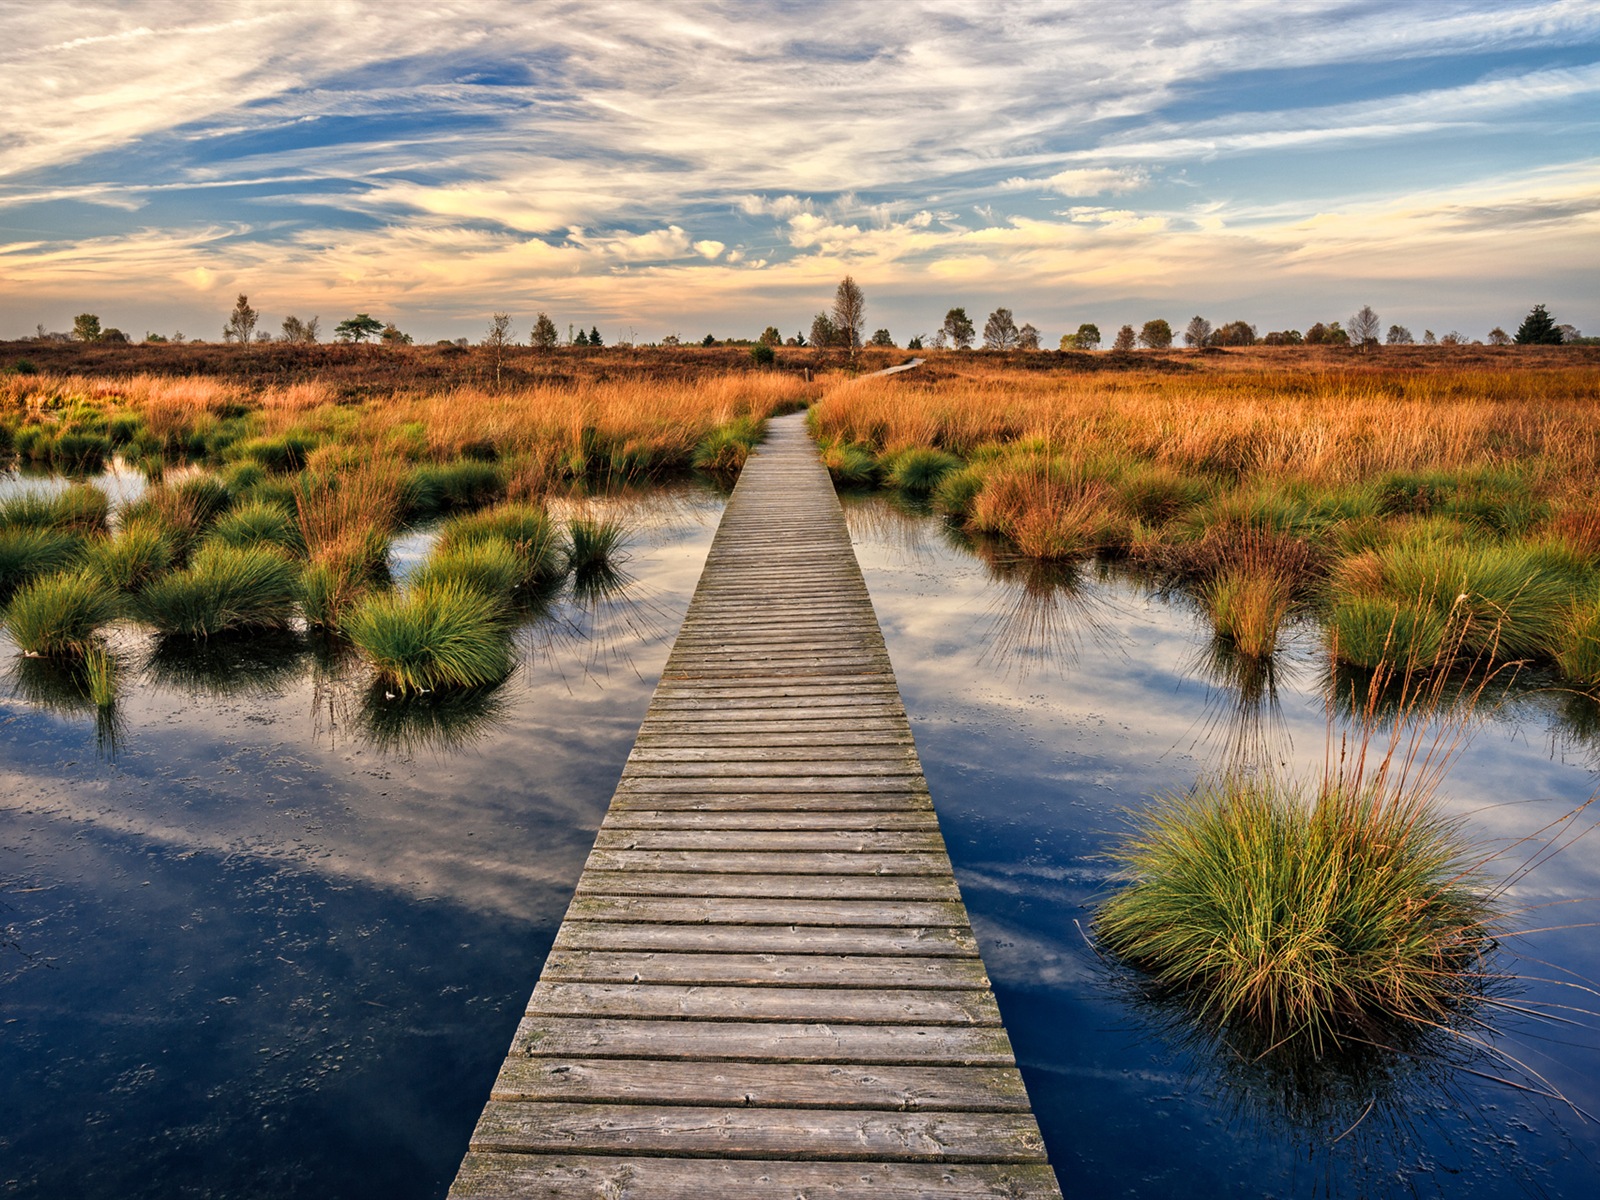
{"points": [[880, 1006], [802, 1134], [743, 862], [774, 886], [742, 910], [761, 1085], [646, 818], [838, 971], [665, 785], [901, 754], [567, 1176], [855, 841], [767, 939], [842, 802], [763, 1041]]}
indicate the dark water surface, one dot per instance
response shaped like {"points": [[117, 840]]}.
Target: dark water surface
{"points": [[267, 934]]}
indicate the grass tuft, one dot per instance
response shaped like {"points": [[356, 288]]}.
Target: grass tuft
{"points": [[131, 559], [724, 450], [593, 543], [443, 634], [27, 553], [258, 523], [223, 590], [58, 616], [920, 471], [525, 528]]}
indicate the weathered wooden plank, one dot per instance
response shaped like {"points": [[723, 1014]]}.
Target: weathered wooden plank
{"points": [[931, 940], [739, 862], [775, 886], [879, 1006], [858, 841], [901, 754], [567, 1176], [666, 785], [846, 735], [766, 1133], [742, 910], [761, 1085], [815, 970], [763, 1041], [841, 802], [645, 818]]}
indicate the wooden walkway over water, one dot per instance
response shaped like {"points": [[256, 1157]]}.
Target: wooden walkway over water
{"points": [[766, 986]]}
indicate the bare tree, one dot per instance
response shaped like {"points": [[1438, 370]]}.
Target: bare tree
{"points": [[1197, 333], [300, 332], [500, 336], [849, 312], [241, 324], [1364, 327], [1000, 331]]}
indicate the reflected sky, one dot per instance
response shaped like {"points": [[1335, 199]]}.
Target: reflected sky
{"points": [[1033, 773], [279, 940]]}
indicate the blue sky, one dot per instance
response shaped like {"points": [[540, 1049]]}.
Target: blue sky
{"points": [[656, 168]]}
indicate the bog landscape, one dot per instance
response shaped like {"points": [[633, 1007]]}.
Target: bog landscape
{"points": [[478, 748]]}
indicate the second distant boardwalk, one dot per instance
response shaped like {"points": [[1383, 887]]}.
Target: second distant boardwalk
{"points": [[766, 985]]}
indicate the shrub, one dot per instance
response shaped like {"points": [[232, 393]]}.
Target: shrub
{"points": [[127, 562], [443, 635], [224, 589], [524, 527], [1310, 919], [57, 616], [920, 470], [26, 554]]}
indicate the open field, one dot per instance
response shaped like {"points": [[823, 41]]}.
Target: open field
{"points": [[1411, 499]]}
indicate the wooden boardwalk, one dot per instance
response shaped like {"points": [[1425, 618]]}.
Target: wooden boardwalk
{"points": [[766, 985]]}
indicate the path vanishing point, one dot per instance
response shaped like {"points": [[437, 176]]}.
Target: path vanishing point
{"points": [[766, 985]]}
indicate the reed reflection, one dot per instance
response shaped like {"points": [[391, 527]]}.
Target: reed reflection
{"points": [[1041, 613], [68, 688], [1243, 726]]}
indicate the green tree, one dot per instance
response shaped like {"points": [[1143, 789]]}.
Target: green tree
{"points": [[1069, 341], [915, 343], [241, 326], [1125, 340], [1538, 328], [544, 335], [958, 328], [581, 340], [770, 336], [86, 327], [710, 339], [1156, 335], [357, 328], [1235, 333], [1087, 337], [882, 337], [392, 336], [594, 336], [763, 355]]}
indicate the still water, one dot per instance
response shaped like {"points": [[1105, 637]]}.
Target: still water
{"points": [[264, 934]]}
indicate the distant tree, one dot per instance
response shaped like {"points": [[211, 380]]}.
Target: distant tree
{"points": [[1453, 338], [1069, 341], [1399, 335], [915, 343], [1156, 335], [882, 337], [770, 336], [799, 338], [958, 329], [849, 313], [1569, 333], [1283, 337], [1027, 337], [581, 340], [1125, 339], [155, 339], [241, 324], [500, 336], [1538, 328], [544, 335], [763, 355], [298, 332], [1499, 337], [594, 336], [263, 337], [392, 336], [1000, 331], [1364, 327], [1428, 339], [86, 327], [824, 332], [1235, 333], [1327, 335], [670, 340], [357, 328], [710, 339], [1088, 337], [1197, 333], [114, 336]]}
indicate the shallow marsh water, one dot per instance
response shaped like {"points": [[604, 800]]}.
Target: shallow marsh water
{"points": [[267, 935]]}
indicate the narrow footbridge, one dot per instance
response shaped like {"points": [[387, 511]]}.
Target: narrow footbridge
{"points": [[766, 986]]}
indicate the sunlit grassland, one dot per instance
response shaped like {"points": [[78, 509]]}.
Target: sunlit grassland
{"points": [[1392, 502]]}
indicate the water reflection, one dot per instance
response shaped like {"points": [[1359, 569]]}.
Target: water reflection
{"points": [[441, 723], [62, 687], [1244, 725], [1041, 613], [228, 665]]}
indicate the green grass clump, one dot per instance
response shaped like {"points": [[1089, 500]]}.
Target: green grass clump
{"points": [[593, 542], [454, 487], [1247, 608], [490, 567], [58, 616], [282, 455], [27, 553], [850, 465], [78, 451], [224, 589], [724, 450], [100, 675], [258, 523], [1579, 654], [1343, 914], [1372, 632], [131, 559], [919, 470], [956, 491], [525, 528], [444, 634], [81, 508]]}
